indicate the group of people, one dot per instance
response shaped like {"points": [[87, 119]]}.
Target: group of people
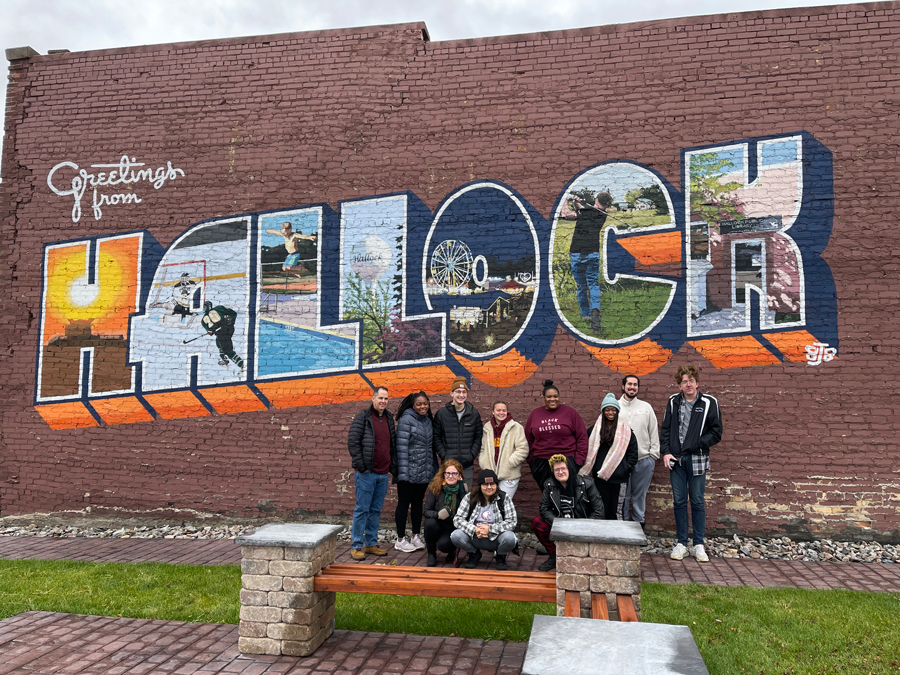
{"points": [[601, 472]]}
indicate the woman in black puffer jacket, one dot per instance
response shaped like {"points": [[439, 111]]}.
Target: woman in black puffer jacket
{"points": [[416, 464]]}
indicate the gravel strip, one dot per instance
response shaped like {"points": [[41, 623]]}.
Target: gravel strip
{"points": [[777, 548], [784, 548]]}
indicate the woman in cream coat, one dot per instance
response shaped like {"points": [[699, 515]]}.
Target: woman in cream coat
{"points": [[503, 448]]}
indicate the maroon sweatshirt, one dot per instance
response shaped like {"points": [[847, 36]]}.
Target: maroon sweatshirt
{"points": [[560, 431]]}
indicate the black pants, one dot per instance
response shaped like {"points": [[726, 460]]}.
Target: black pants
{"points": [[609, 494], [541, 471], [437, 535], [410, 497]]}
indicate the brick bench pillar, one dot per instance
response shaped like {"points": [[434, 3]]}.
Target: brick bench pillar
{"points": [[594, 558], [280, 611]]}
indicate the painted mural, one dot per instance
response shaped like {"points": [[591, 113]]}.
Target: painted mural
{"points": [[306, 306]]}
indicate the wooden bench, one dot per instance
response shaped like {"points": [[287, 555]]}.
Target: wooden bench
{"points": [[438, 582], [462, 583], [289, 581]]}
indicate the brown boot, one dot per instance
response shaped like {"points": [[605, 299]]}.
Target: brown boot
{"points": [[375, 550], [357, 554]]}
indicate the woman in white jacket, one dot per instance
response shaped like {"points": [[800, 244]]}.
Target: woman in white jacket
{"points": [[504, 448]]}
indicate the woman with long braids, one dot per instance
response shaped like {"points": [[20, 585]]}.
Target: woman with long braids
{"points": [[554, 429], [416, 464], [612, 454], [442, 500]]}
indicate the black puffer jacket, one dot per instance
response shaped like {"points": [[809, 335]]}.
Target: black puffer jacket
{"points": [[587, 500], [626, 466], [455, 438], [361, 440], [415, 448]]}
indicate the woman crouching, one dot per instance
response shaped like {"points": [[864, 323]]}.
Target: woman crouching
{"points": [[442, 500], [485, 522]]}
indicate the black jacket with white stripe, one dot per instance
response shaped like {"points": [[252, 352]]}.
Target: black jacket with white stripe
{"points": [[704, 429]]}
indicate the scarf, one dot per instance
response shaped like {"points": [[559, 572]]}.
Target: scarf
{"points": [[451, 497], [498, 431], [616, 449]]}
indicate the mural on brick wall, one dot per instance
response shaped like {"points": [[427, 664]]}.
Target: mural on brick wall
{"points": [[307, 306]]}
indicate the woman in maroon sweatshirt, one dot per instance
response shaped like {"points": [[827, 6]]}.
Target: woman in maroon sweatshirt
{"points": [[554, 429]]}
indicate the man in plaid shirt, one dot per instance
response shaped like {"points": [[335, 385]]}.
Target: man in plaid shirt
{"points": [[691, 426]]}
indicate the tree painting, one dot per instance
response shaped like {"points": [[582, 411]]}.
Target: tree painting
{"points": [[712, 200], [373, 306]]}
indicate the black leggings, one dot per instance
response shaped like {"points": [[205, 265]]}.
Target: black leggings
{"points": [[437, 535], [609, 493], [410, 497]]}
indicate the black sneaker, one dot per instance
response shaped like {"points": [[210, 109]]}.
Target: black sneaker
{"points": [[472, 560], [595, 320], [451, 557], [548, 564], [432, 560], [501, 562]]}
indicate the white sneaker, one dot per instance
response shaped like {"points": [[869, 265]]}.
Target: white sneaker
{"points": [[700, 553], [678, 552], [418, 543], [404, 545]]}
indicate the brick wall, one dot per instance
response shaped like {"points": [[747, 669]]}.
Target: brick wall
{"points": [[770, 135]]}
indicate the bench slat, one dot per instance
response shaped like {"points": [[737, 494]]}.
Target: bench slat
{"points": [[599, 610], [573, 604], [432, 573], [475, 587], [625, 604]]}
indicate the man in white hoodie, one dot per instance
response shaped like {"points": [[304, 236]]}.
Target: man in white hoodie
{"points": [[642, 420]]}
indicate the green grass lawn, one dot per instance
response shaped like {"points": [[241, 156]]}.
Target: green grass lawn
{"points": [[738, 630], [139, 590], [751, 630]]}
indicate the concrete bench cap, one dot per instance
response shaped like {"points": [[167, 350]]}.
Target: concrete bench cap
{"points": [[293, 535], [598, 531], [569, 646]]}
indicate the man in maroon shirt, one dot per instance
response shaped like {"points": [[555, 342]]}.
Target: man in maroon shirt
{"points": [[371, 443]]}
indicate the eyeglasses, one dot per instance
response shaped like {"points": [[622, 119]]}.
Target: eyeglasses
{"points": [[450, 474], [562, 469], [488, 485]]}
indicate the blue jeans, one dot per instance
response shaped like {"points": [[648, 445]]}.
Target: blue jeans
{"points": [[684, 483], [586, 270], [636, 493], [370, 491]]}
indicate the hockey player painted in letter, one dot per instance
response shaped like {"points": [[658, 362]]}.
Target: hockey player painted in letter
{"points": [[219, 321], [182, 294]]}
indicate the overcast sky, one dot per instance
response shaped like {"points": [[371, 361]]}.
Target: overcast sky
{"points": [[80, 25]]}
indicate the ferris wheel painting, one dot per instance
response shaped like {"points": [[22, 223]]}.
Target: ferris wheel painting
{"points": [[451, 265], [481, 266]]}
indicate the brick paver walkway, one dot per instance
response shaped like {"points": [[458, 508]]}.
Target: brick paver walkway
{"points": [[658, 568], [37, 643]]}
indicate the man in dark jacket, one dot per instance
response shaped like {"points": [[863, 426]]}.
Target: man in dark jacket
{"points": [[691, 426], [458, 430], [566, 495], [371, 442]]}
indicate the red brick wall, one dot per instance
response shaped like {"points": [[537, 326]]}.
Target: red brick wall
{"points": [[274, 122]]}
